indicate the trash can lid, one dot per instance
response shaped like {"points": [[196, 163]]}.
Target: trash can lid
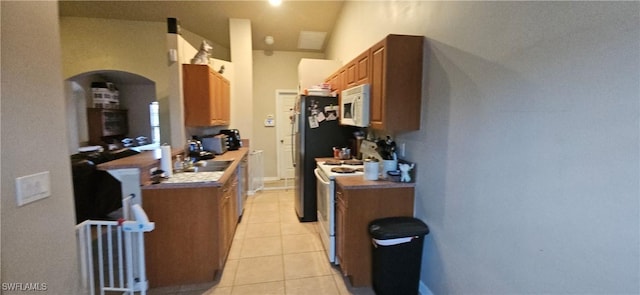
{"points": [[397, 227]]}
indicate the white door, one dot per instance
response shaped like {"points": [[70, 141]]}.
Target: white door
{"points": [[285, 101]]}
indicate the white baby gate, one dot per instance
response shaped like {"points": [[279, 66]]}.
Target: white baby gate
{"points": [[125, 265]]}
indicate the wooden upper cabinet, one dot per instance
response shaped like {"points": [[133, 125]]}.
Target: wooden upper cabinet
{"points": [[206, 96], [393, 69], [376, 93], [396, 83]]}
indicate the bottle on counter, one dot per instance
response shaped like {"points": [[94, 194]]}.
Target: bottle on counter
{"points": [[178, 165]]}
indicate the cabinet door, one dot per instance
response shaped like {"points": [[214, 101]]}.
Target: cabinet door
{"points": [[206, 96], [233, 209], [196, 88], [225, 239], [229, 210], [226, 102], [335, 82], [186, 235], [362, 68], [214, 104], [376, 102], [343, 79], [351, 74], [220, 111]]}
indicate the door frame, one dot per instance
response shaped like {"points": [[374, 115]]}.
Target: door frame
{"points": [[279, 120]]}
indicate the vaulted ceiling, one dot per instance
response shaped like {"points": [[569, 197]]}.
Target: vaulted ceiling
{"points": [[210, 19]]}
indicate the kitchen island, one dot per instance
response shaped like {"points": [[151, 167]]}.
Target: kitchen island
{"points": [[195, 223]]}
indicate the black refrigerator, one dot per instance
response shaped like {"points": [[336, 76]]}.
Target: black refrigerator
{"points": [[316, 130]]}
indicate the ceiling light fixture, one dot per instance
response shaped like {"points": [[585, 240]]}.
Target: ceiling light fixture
{"points": [[269, 40], [275, 2]]}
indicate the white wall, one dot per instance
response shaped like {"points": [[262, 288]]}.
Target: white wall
{"points": [[38, 239], [527, 155], [272, 70], [242, 88]]}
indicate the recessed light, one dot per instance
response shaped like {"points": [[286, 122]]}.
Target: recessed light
{"points": [[275, 2]]}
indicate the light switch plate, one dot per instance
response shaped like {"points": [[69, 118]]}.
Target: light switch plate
{"points": [[32, 187]]}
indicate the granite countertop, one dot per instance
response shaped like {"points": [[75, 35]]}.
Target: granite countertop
{"points": [[203, 179], [189, 177], [356, 182]]}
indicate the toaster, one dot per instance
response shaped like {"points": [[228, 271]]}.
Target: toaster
{"points": [[216, 144]]}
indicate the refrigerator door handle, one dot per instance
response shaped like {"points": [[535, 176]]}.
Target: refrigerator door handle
{"points": [[293, 157]]}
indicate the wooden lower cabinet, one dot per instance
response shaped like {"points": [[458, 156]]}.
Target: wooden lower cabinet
{"points": [[194, 228], [355, 209]]}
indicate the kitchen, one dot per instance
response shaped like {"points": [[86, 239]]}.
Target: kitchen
{"points": [[165, 201], [473, 124]]}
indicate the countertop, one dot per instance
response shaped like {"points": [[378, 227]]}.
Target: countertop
{"points": [[357, 182], [143, 159], [203, 179]]}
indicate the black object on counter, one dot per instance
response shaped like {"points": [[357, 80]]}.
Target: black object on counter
{"points": [[234, 141], [195, 150], [397, 254], [96, 193], [386, 148]]}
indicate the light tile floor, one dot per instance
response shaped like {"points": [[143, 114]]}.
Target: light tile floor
{"points": [[273, 253]]}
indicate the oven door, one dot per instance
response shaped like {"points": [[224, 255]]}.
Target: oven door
{"points": [[326, 208]]}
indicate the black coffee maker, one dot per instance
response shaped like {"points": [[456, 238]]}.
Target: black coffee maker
{"points": [[194, 150], [234, 141]]}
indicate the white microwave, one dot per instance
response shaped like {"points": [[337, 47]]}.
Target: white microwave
{"points": [[354, 106]]}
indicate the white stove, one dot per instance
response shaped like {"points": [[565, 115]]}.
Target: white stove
{"points": [[337, 168], [326, 174]]}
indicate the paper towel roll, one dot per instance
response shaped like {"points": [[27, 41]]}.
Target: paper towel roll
{"points": [[165, 160]]}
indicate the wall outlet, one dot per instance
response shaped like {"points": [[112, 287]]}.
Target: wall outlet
{"points": [[33, 187]]}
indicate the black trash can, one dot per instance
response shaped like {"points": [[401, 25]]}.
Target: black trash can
{"points": [[397, 254]]}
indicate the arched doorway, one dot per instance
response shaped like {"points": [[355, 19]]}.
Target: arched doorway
{"points": [[137, 95]]}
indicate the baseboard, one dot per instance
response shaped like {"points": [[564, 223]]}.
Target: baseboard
{"points": [[424, 290], [266, 179]]}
